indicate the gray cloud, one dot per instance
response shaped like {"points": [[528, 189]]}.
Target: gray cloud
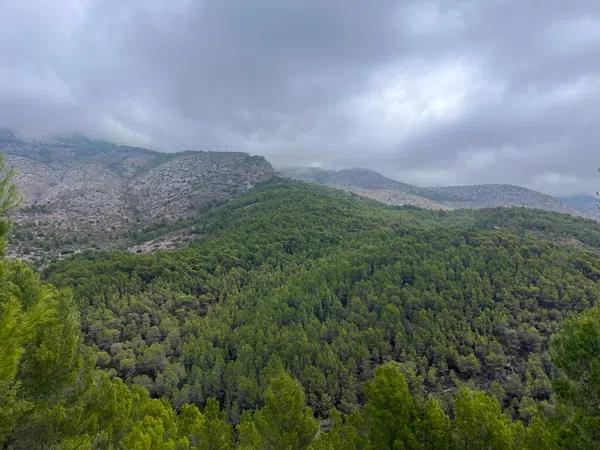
{"points": [[430, 92]]}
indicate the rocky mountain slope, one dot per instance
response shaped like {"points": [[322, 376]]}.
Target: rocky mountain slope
{"points": [[79, 193], [373, 185], [586, 203]]}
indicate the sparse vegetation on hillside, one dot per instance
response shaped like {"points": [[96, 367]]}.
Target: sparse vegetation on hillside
{"points": [[370, 184]]}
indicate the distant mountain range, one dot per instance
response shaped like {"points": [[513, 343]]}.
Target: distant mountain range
{"points": [[368, 183], [589, 204]]}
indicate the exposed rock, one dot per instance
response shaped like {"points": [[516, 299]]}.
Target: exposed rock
{"points": [[394, 197], [78, 193], [589, 204]]}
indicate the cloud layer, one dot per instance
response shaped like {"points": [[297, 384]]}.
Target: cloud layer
{"points": [[429, 92]]}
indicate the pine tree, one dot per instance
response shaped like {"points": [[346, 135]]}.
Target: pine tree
{"points": [[285, 422], [390, 412], [480, 423], [575, 352]]}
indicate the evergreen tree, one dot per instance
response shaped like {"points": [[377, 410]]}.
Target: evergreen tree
{"points": [[216, 434], [480, 423], [285, 422], [342, 434], [576, 354], [391, 415], [435, 429]]}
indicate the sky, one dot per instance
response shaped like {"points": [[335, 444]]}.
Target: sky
{"points": [[427, 92]]}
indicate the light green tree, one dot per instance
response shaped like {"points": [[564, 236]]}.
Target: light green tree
{"points": [[435, 429], [216, 434], [342, 434], [391, 415], [481, 424], [575, 352], [285, 422]]}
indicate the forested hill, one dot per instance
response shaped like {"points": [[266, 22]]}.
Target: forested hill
{"points": [[82, 194], [327, 286], [370, 184], [306, 317]]}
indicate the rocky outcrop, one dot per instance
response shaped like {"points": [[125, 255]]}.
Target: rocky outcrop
{"points": [[78, 193]]}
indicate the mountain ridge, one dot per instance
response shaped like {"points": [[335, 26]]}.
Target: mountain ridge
{"points": [[80, 193], [371, 184], [77, 187]]}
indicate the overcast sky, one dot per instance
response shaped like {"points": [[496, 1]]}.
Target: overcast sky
{"points": [[428, 92]]}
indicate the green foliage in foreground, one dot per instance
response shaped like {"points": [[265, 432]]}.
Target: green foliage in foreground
{"points": [[276, 296], [79, 407]]}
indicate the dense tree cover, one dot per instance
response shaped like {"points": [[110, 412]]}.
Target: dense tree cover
{"points": [[327, 286], [50, 394], [308, 319], [576, 354]]}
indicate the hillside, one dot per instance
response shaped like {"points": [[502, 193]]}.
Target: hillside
{"points": [[82, 194], [328, 286], [306, 317], [285, 298], [586, 203], [373, 185], [79, 193]]}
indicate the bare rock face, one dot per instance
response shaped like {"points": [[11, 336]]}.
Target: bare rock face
{"points": [[179, 187], [79, 193]]}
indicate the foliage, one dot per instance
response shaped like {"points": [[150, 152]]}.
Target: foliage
{"points": [[306, 318], [285, 422], [390, 411], [328, 286], [576, 355]]}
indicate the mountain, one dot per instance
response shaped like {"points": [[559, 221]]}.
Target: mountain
{"points": [[306, 317], [586, 203], [80, 193], [370, 184], [327, 286]]}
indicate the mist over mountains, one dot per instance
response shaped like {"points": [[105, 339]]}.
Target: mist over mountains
{"points": [[79, 193], [374, 185]]}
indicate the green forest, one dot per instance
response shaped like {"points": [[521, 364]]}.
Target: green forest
{"points": [[304, 317]]}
